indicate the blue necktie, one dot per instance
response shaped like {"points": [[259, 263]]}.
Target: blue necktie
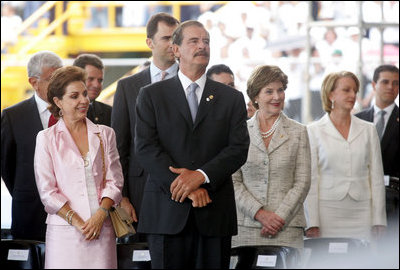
{"points": [[381, 123], [192, 100]]}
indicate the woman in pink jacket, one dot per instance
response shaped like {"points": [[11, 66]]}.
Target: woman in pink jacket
{"points": [[69, 176]]}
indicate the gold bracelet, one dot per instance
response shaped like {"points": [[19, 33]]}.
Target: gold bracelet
{"points": [[70, 218], [67, 215]]}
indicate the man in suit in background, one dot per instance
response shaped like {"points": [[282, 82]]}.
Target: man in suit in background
{"points": [[386, 86], [385, 114], [159, 32], [191, 136], [98, 113], [20, 124], [221, 73]]}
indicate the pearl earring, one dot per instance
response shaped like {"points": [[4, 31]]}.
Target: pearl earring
{"points": [[333, 104]]}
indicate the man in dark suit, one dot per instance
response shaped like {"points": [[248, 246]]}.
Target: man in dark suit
{"points": [[19, 126], [159, 32], [385, 115], [98, 113], [386, 87], [191, 136]]}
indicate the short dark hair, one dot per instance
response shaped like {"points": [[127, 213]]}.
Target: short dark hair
{"points": [[218, 69], [383, 68], [88, 59], [177, 36], [60, 79], [152, 24]]}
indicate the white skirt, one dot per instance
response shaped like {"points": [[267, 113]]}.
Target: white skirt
{"points": [[345, 218]]}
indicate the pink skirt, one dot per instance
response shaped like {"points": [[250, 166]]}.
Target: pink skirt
{"points": [[67, 248]]}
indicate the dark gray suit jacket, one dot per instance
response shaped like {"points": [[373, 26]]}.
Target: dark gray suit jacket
{"points": [[123, 120], [216, 143], [389, 142], [19, 126]]}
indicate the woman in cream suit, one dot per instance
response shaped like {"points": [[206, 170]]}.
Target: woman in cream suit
{"points": [[69, 175], [347, 194], [271, 186]]}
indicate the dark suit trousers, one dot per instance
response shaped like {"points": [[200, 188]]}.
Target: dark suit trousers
{"points": [[189, 249]]}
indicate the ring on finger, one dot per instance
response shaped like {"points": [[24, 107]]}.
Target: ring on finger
{"points": [[94, 234]]}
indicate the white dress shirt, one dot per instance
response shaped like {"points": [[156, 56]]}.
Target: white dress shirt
{"points": [[156, 73], [44, 113]]}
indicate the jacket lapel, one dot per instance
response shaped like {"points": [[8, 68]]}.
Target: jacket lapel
{"points": [[355, 128], [391, 127], [280, 135], [254, 132], [328, 128], [208, 98], [177, 94], [93, 139]]}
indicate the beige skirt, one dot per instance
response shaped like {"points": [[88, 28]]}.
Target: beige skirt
{"points": [[289, 237], [345, 218]]}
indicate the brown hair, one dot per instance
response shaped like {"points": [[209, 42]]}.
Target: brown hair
{"points": [[262, 76], [60, 79], [330, 83], [88, 59], [152, 24]]}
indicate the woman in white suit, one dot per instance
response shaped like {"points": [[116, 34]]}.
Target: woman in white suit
{"points": [[271, 186], [347, 194], [69, 175]]}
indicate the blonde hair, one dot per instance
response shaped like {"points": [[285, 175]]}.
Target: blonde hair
{"points": [[330, 83]]}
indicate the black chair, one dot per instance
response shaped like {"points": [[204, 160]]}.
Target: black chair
{"points": [[336, 253], [133, 256], [6, 233], [22, 254], [246, 257]]}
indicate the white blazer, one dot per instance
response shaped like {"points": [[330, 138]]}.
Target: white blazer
{"points": [[340, 167], [60, 173]]}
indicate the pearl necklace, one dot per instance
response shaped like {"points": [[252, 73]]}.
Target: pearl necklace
{"points": [[268, 133]]}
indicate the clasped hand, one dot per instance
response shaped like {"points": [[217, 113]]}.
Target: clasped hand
{"points": [[186, 185], [271, 222], [92, 227]]}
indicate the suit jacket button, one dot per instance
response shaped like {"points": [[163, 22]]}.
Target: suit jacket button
{"points": [[192, 162]]}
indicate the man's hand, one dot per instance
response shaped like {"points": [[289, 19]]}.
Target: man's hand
{"points": [[126, 204], [199, 197], [186, 182]]}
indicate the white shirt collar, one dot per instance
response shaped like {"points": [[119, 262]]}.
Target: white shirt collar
{"points": [[41, 104], [44, 113], [201, 82], [155, 72], [388, 110]]}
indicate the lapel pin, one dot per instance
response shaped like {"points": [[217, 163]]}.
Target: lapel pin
{"points": [[210, 97]]}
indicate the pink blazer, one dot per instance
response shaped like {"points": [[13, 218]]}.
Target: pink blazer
{"points": [[60, 173]]}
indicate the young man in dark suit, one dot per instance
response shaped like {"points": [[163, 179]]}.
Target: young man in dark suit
{"points": [[386, 86], [20, 124], [385, 114], [191, 136], [98, 113], [159, 32]]}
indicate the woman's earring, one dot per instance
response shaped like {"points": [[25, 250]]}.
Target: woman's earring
{"points": [[255, 102], [60, 113], [333, 104]]}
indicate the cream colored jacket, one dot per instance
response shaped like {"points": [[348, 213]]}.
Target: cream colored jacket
{"points": [[277, 178], [341, 167]]}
